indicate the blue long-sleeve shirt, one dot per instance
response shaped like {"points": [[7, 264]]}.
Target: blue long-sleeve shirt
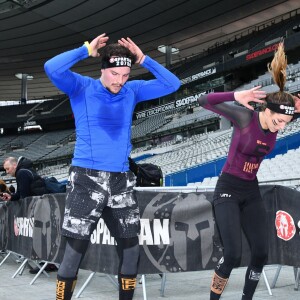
{"points": [[103, 119]]}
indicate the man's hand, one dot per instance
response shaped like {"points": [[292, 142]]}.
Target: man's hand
{"points": [[133, 48], [253, 95], [97, 43]]}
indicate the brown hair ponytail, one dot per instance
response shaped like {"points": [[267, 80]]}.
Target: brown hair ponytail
{"points": [[278, 67], [278, 70]]}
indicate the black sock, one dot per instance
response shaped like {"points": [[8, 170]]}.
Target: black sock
{"points": [[214, 296], [65, 287], [127, 284]]}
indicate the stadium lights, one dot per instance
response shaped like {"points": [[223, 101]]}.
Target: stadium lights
{"points": [[24, 77], [163, 49], [168, 51], [20, 76]]}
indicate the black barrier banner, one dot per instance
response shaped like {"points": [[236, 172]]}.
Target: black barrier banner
{"points": [[178, 232], [31, 227]]}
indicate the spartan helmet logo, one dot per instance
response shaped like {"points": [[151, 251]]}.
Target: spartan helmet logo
{"points": [[285, 225], [193, 228], [191, 232], [46, 228]]}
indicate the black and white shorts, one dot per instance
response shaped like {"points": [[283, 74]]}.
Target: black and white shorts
{"points": [[92, 194]]}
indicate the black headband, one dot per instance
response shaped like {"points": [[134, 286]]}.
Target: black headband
{"points": [[281, 108], [115, 62]]}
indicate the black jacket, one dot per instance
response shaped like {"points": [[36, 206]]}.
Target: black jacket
{"points": [[29, 183]]}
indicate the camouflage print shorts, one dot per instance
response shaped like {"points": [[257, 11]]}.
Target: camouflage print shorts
{"points": [[92, 194]]}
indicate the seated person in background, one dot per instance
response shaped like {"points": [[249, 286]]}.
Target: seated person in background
{"points": [[29, 183]]}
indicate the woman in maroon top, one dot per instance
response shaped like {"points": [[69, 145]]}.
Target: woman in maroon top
{"points": [[237, 200]]}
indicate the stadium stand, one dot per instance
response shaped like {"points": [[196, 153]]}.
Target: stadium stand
{"points": [[181, 120], [36, 146], [248, 41], [178, 139], [283, 169]]}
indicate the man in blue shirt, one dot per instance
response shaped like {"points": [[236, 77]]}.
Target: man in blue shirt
{"points": [[100, 183]]}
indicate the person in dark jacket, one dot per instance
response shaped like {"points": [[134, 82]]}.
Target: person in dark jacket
{"points": [[29, 183]]}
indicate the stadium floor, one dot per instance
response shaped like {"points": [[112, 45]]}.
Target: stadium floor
{"points": [[190, 285]]}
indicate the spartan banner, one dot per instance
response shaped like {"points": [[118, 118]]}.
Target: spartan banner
{"points": [[178, 232]]}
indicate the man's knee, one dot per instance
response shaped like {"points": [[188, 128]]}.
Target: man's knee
{"points": [[130, 251], [74, 253]]}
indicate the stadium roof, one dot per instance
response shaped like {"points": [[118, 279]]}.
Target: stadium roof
{"points": [[32, 31]]}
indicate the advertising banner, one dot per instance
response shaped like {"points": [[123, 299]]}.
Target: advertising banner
{"points": [[178, 231]]}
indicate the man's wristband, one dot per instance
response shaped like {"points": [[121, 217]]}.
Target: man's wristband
{"points": [[141, 59], [87, 44]]}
